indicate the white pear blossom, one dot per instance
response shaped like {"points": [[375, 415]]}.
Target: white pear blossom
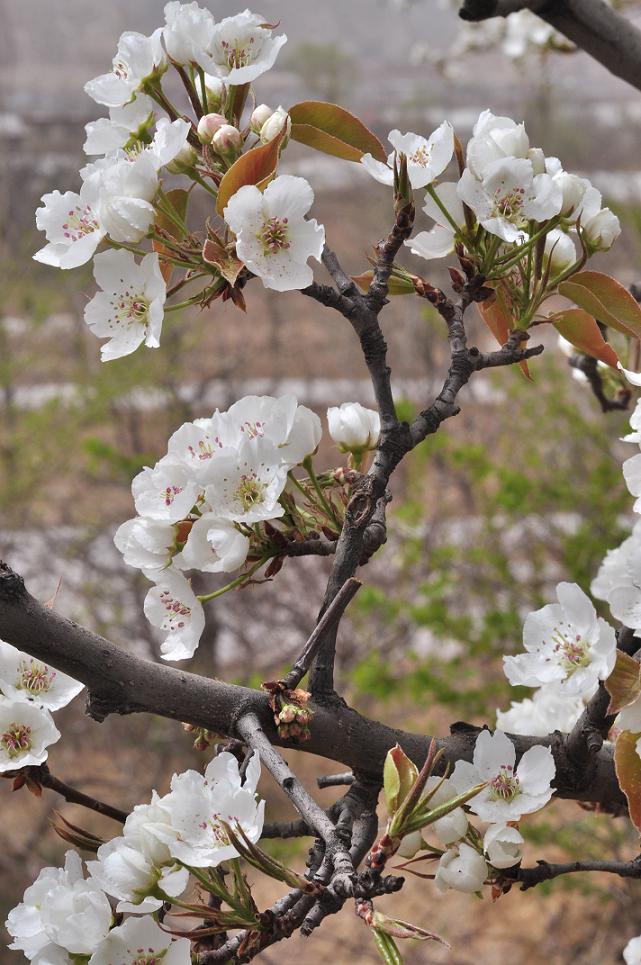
{"points": [[72, 225], [241, 48], [245, 484], [172, 606], [108, 134], [213, 546], [146, 543], [453, 826], [461, 868], [195, 443], [126, 185], [134, 867], [140, 941], [566, 644], [167, 492], [26, 731], [621, 566], [197, 804], [23, 678], [188, 32], [293, 429], [632, 952], [494, 139], [136, 58], [503, 845], [353, 427], [273, 237], [509, 196], [635, 425], [573, 188], [427, 158], [630, 717], [510, 792], [439, 240], [130, 308], [61, 909], [546, 711]]}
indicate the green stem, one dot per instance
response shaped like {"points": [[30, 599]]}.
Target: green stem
{"points": [[205, 598], [126, 247], [307, 464], [437, 201], [201, 181], [167, 208], [203, 89]]}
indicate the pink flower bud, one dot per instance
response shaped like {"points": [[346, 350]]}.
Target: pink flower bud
{"points": [[208, 125], [227, 141], [274, 125]]}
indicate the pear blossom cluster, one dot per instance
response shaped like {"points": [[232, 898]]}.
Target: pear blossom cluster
{"points": [[65, 917], [147, 148], [30, 691], [568, 649], [221, 494], [467, 856]]}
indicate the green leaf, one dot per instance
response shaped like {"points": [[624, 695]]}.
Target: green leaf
{"points": [[387, 948], [606, 299], [399, 775], [397, 284], [333, 130], [624, 683], [581, 329], [627, 764], [257, 166]]}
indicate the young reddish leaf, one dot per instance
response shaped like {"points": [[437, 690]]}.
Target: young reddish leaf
{"points": [[179, 199], [398, 928], [624, 683], [257, 166], [399, 775], [215, 253], [499, 319], [581, 329], [333, 130], [606, 299], [627, 765]]}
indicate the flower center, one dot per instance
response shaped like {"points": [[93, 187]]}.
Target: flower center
{"points": [[16, 739], [147, 956], [169, 494], [218, 832], [251, 490], [34, 677], [120, 69], [421, 156], [509, 204], [204, 449], [238, 54], [505, 786], [80, 222], [572, 654], [274, 236], [176, 612], [253, 429]]}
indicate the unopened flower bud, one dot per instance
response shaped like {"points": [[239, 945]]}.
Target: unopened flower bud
{"points": [[216, 93], [260, 115], [560, 250], [573, 189], [184, 161], [537, 158], [274, 125], [354, 427], [602, 230], [228, 142], [410, 844], [208, 125]]}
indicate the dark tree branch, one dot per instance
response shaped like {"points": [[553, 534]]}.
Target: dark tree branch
{"points": [[590, 368], [40, 774], [530, 877], [592, 25], [335, 780], [329, 621], [122, 683]]}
